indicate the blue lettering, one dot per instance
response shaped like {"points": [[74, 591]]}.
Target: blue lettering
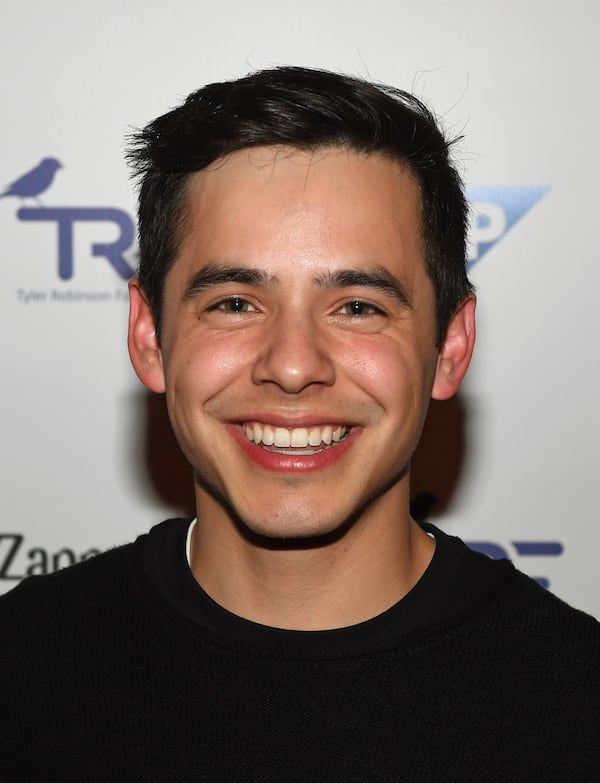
{"points": [[66, 217]]}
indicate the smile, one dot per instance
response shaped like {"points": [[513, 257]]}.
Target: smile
{"points": [[297, 440]]}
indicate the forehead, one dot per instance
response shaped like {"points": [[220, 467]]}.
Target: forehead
{"points": [[264, 204]]}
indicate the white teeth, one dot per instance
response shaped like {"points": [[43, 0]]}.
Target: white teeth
{"points": [[296, 437], [299, 438], [282, 438], [314, 437]]}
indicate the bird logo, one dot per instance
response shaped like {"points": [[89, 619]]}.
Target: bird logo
{"points": [[34, 182]]}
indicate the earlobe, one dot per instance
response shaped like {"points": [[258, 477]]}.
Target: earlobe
{"points": [[456, 351], [142, 340]]}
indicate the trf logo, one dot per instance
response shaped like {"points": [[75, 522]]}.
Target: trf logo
{"points": [[35, 182]]}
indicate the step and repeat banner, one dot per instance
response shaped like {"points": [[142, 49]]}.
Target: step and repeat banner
{"points": [[511, 464]]}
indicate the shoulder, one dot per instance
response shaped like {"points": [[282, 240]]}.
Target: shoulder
{"points": [[526, 667], [541, 618], [531, 652], [87, 596], [536, 608], [515, 626], [39, 602], [495, 593]]}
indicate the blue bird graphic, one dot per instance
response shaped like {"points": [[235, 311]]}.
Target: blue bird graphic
{"points": [[36, 181]]}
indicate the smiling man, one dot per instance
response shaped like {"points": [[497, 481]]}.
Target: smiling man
{"points": [[298, 353], [301, 298]]}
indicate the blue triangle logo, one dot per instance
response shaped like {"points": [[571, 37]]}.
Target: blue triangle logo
{"points": [[495, 210]]}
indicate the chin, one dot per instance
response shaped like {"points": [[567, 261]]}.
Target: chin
{"points": [[297, 529], [285, 522]]}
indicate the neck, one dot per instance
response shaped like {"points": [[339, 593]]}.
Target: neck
{"points": [[322, 585]]}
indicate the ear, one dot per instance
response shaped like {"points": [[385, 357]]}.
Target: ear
{"points": [[142, 341], [456, 351]]}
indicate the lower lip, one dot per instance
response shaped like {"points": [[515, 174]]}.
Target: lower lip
{"points": [[293, 463]]}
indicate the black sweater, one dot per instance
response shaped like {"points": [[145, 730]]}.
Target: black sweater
{"points": [[122, 669]]}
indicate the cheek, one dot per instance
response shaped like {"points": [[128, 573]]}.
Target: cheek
{"points": [[222, 363], [382, 367], [203, 367], [396, 375]]}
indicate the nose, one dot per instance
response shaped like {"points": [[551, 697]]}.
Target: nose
{"points": [[294, 355]]}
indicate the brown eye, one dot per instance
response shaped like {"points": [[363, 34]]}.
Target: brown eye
{"points": [[233, 304], [358, 308]]}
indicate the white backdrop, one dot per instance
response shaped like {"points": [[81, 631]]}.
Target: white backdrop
{"points": [[516, 470]]}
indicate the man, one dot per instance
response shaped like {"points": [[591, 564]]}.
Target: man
{"points": [[301, 297]]}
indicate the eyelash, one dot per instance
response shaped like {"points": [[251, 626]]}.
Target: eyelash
{"points": [[236, 305], [360, 303], [231, 304]]}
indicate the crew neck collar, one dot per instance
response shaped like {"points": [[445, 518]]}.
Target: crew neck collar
{"points": [[456, 576]]}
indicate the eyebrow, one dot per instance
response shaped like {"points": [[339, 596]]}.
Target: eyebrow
{"points": [[213, 275], [379, 279]]}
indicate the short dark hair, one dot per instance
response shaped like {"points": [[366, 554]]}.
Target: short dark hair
{"points": [[307, 109]]}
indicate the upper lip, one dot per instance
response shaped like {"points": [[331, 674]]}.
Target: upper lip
{"points": [[294, 422]]}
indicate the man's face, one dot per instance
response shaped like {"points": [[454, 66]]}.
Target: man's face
{"points": [[298, 342]]}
